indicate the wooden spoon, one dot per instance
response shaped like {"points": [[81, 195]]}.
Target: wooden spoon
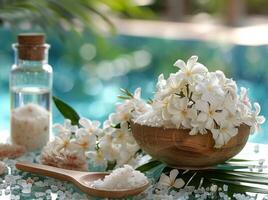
{"points": [[81, 179]]}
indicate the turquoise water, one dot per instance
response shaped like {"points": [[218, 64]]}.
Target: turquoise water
{"points": [[88, 71]]}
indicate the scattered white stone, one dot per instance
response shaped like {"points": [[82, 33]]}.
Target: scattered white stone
{"points": [[54, 188], [39, 194], [225, 188], [7, 191], [39, 184], [213, 188], [122, 178], [27, 189]]}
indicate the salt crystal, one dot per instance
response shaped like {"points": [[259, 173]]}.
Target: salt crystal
{"points": [[27, 188], [48, 191], [54, 188], [213, 188], [39, 194], [121, 178], [225, 188], [39, 184], [7, 191], [60, 193], [14, 197], [33, 121]]}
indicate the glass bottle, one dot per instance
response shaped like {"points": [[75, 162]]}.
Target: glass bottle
{"points": [[31, 88]]}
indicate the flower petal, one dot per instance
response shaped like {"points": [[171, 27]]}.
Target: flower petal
{"points": [[199, 69], [164, 180], [173, 174], [191, 62], [179, 183], [260, 119], [180, 64], [257, 108]]}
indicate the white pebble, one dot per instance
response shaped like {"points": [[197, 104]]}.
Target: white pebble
{"points": [[54, 188], [7, 191]]}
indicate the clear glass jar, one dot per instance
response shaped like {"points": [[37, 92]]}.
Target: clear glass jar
{"points": [[31, 90]]}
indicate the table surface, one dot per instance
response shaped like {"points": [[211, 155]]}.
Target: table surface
{"points": [[53, 189]]}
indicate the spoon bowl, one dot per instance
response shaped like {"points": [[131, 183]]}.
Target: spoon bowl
{"points": [[83, 180]]}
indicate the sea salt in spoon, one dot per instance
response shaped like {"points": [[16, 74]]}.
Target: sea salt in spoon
{"points": [[83, 180]]}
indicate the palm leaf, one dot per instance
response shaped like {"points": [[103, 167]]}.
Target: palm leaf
{"points": [[50, 13]]}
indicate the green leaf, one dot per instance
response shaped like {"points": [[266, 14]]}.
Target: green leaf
{"points": [[239, 160], [127, 93], [67, 111], [117, 126], [148, 166], [110, 165], [123, 97]]}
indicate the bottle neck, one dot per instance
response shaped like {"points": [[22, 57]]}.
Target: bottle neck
{"points": [[31, 57], [30, 63]]}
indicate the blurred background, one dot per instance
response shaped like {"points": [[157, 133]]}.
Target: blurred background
{"points": [[100, 46]]}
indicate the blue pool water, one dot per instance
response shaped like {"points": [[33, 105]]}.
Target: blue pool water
{"points": [[88, 71]]}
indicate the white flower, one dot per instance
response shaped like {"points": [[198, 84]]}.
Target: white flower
{"points": [[174, 85], [192, 68], [224, 133], [127, 153], [107, 139], [209, 113], [92, 127], [85, 140], [122, 135], [210, 89], [230, 103], [228, 85], [66, 129], [63, 157], [62, 142], [244, 97], [181, 113], [255, 120], [97, 157], [128, 108], [161, 107], [107, 146], [161, 83], [198, 127], [171, 180]]}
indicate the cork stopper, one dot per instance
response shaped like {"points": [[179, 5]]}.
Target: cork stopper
{"points": [[31, 46]]}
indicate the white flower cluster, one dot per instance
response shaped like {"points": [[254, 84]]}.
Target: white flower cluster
{"points": [[192, 98], [196, 99], [113, 144]]}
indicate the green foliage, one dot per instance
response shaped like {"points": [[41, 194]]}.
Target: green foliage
{"points": [[64, 15], [230, 173], [148, 166], [67, 111], [125, 94]]}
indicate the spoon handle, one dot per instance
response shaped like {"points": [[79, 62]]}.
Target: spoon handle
{"points": [[45, 170]]}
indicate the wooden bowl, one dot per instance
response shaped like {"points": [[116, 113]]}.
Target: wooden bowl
{"points": [[178, 149]]}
